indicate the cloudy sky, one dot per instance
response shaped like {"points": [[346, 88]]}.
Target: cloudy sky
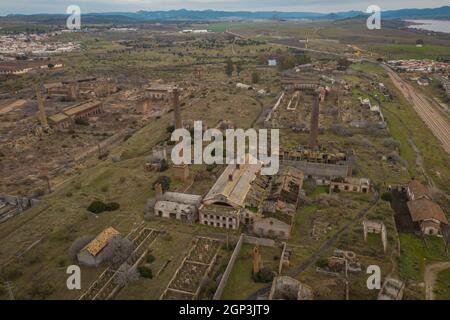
{"points": [[59, 6]]}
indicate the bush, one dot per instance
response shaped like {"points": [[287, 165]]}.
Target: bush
{"points": [[81, 122], [391, 143], [339, 130], [265, 275], [112, 206], [145, 272], [322, 263], [387, 196], [97, 207], [163, 166], [164, 181], [309, 185], [149, 258]]}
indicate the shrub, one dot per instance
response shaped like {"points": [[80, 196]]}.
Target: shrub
{"points": [[164, 165], [322, 263], [145, 272], [97, 207], [391, 143], [81, 122], [164, 181], [265, 275], [149, 258], [309, 185], [387, 196], [112, 206]]}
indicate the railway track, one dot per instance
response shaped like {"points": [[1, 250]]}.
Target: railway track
{"points": [[429, 114]]}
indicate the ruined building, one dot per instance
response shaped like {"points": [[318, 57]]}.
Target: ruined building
{"points": [[174, 205], [83, 110], [180, 171]]}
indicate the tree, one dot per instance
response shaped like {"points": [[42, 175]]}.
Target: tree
{"points": [[126, 275], [117, 250], [112, 206], [255, 77], [145, 272], [229, 67], [164, 181], [79, 244], [387, 196], [265, 275], [343, 63], [97, 207], [164, 165]]}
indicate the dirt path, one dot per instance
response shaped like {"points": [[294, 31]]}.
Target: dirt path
{"points": [[430, 276]]}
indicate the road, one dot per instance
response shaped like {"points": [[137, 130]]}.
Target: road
{"points": [[430, 275], [285, 45], [428, 112]]}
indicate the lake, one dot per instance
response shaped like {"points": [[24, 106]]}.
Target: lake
{"points": [[431, 25]]}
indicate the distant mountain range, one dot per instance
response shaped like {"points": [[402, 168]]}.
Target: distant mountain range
{"points": [[213, 15]]}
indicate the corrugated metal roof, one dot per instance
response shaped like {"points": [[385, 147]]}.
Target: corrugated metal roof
{"points": [[97, 245]]}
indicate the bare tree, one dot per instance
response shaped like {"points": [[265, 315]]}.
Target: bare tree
{"points": [[117, 250], [79, 244], [126, 275]]}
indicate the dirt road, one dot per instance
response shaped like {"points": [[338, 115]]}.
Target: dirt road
{"points": [[429, 113], [430, 275]]}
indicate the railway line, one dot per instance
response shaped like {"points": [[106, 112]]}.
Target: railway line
{"points": [[429, 114]]}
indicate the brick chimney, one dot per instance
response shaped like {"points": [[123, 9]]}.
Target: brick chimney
{"points": [[176, 108], [158, 191], [314, 127]]}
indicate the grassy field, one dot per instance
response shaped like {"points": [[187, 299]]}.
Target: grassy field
{"points": [[240, 283], [410, 51], [443, 285]]}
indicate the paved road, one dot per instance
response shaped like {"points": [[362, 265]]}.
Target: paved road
{"points": [[428, 112], [430, 275]]}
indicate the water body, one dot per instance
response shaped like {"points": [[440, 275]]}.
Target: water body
{"points": [[431, 25]]}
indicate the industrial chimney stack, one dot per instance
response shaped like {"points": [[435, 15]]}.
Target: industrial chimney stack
{"points": [[181, 171], [42, 114], [176, 108], [314, 128]]}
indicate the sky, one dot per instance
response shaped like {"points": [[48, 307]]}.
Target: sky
{"points": [[326, 6]]}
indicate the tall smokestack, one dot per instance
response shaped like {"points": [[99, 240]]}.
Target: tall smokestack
{"points": [[158, 191], [176, 109], [314, 128], [42, 114]]}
